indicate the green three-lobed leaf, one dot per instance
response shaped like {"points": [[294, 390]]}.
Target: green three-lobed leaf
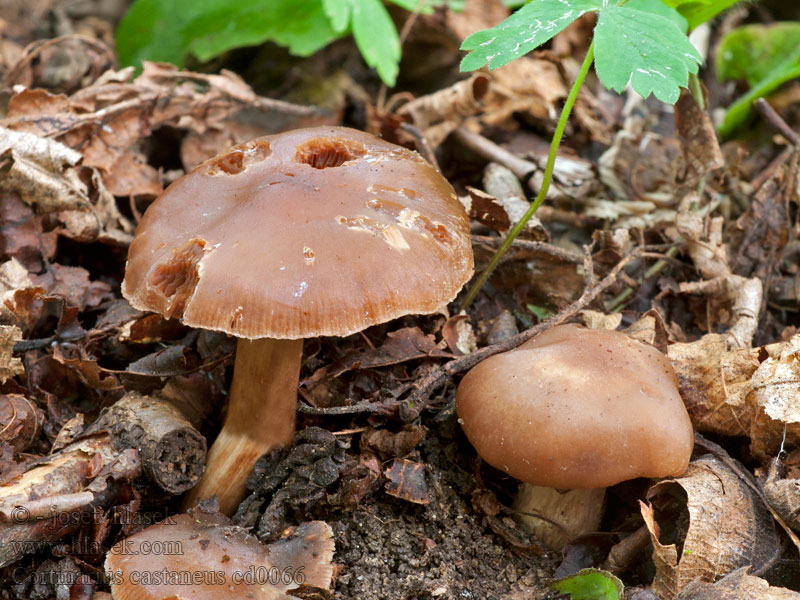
{"points": [[643, 42], [529, 27], [645, 48]]}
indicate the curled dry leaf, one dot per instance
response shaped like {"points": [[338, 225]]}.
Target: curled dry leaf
{"points": [[47, 176], [741, 392], [598, 320], [698, 138], [714, 382], [438, 114], [10, 366], [744, 295], [72, 284], [66, 63], [22, 233], [503, 184], [529, 85], [737, 585], [458, 334], [13, 277], [642, 166], [486, 209], [38, 169], [783, 494], [774, 393], [407, 343], [728, 527], [20, 421], [220, 560], [387, 444], [109, 119]]}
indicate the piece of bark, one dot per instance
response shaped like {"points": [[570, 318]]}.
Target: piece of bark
{"points": [[172, 452], [58, 493], [52, 498]]}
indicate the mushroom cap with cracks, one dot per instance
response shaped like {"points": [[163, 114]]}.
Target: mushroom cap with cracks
{"points": [[577, 408], [320, 231]]}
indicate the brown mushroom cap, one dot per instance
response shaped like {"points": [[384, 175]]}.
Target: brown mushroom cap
{"points": [[204, 556], [577, 408], [321, 231]]}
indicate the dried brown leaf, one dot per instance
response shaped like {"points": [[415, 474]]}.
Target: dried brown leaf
{"points": [[22, 234], [729, 527], [486, 209], [20, 421], [457, 332], [10, 366], [774, 393], [13, 277], [406, 480], [37, 169], [72, 284], [783, 494], [408, 343], [387, 444], [737, 585], [714, 382], [743, 295], [439, 113], [698, 138]]}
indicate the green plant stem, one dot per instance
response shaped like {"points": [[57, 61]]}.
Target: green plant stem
{"points": [[548, 177], [697, 90]]}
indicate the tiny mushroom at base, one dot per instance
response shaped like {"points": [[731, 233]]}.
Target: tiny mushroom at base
{"points": [[577, 410], [320, 231]]}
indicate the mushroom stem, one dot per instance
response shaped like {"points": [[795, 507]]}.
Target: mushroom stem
{"points": [[556, 517], [261, 415]]}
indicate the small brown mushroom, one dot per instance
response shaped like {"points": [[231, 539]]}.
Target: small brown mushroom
{"points": [[205, 556], [575, 409], [321, 231]]}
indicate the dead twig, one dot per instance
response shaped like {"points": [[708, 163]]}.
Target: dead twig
{"points": [[411, 407], [542, 247], [775, 120], [522, 168]]}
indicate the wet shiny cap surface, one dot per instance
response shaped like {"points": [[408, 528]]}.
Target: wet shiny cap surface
{"points": [[577, 408], [321, 231]]}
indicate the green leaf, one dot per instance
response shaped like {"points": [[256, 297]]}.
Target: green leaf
{"points": [[753, 52], [150, 30], [647, 49], [299, 25], [590, 584], [338, 11], [657, 7], [529, 27], [767, 56], [540, 312], [376, 38], [698, 12], [413, 5], [168, 30]]}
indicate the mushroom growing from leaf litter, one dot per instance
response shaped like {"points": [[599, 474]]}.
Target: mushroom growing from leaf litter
{"points": [[320, 231], [569, 413]]}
